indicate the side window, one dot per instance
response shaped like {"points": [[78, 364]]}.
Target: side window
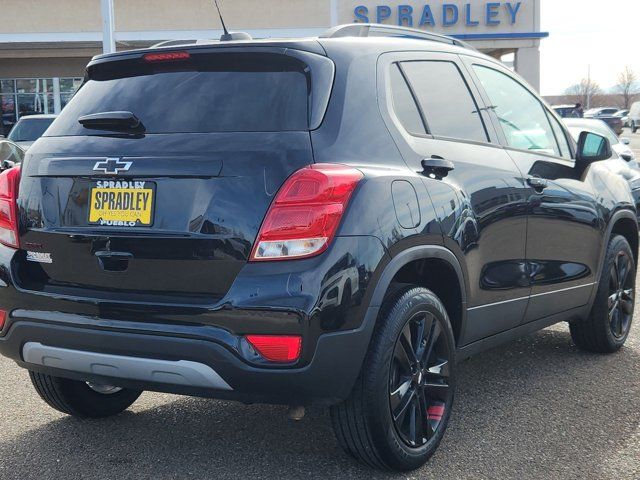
{"points": [[404, 105], [520, 113], [565, 150], [443, 94]]}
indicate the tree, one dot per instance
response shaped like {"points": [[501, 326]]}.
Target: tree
{"points": [[627, 86], [585, 90]]}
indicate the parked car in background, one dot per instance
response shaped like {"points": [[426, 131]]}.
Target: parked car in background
{"points": [[601, 112], [29, 129], [626, 165], [10, 154], [634, 117], [619, 145], [566, 111], [607, 114], [624, 116]]}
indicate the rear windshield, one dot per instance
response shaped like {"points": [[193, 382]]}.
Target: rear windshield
{"points": [[29, 129], [207, 93]]}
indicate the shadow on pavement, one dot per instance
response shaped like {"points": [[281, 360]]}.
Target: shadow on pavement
{"points": [[536, 408]]}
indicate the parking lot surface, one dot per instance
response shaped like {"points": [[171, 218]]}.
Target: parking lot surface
{"points": [[536, 408]]}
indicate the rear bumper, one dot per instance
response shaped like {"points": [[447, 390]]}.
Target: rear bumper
{"points": [[199, 349], [187, 366]]}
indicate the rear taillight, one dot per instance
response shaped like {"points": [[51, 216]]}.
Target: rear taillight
{"points": [[166, 56], [3, 318], [306, 212], [9, 180], [277, 348]]}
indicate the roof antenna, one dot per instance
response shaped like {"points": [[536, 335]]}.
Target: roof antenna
{"points": [[226, 36]]}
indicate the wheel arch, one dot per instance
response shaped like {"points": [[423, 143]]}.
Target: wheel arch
{"points": [[622, 222], [433, 267], [625, 223]]}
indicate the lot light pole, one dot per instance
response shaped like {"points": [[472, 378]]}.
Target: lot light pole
{"points": [[108, 40]]}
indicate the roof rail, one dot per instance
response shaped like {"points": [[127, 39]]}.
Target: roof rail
{"points": [[380, 30], [181, 43]]}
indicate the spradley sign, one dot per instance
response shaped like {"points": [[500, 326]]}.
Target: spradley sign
{"points": [[437, 14]]}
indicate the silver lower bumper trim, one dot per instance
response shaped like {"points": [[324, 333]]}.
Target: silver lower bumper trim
{"points": [[180, 372]]}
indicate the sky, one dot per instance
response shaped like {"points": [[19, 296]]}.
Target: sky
{"points": [[602, 33]]}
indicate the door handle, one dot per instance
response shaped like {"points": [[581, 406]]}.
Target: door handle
{"points": [[537, 183], [436, 166]]}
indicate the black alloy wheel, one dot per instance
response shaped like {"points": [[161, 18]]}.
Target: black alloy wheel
{"points": [[419, 392], [621, 295], [607, 327], [400, 405]]}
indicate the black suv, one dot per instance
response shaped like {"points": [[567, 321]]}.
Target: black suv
{"points": [[331, 221]]}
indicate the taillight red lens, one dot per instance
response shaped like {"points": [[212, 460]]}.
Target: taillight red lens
{"points": [[306, 212], [166, 56], [277, 348], [3, 318], [9, 181]]}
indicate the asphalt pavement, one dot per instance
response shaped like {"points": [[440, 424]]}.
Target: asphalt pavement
{"points": [[537, 408]]}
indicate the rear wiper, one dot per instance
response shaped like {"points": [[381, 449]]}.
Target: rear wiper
{"points": [[118, 121]]}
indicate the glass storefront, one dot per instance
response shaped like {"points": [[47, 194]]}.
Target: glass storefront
{"points": [[20, 97]]}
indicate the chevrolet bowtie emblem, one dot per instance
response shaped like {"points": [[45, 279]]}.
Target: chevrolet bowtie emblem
{"points": [[112, 166]]}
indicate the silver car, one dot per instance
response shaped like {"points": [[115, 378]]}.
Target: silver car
{"points": [[29, 129]]}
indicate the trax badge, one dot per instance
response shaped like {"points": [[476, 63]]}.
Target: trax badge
{"points": [[40, 257], [112, 166]]}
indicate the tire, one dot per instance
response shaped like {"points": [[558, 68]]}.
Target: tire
{"points": [[78, 399], [634, 129], [607, 327], [364, 423]]}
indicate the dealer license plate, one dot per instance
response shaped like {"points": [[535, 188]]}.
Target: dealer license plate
{"points": [[122, 203]]}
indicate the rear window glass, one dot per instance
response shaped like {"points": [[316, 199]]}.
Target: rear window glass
{"points": [[207, 93]]}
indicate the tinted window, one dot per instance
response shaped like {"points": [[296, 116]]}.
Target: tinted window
{"points": [[29, 129], [208, 93], [445, 99], [520, 113], [565, 151], [404, 104]]}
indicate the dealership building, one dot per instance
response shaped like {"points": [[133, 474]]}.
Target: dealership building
{"points": [[44, 46]]}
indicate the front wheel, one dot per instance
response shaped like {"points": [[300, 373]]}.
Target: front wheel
{"points": [[634, 128], [609, 322], [400, 406]]}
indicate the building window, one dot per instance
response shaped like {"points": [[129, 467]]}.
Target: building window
{"points": [[20, 97]]}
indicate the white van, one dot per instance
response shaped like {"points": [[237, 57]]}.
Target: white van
{"points": [[634, 117]]}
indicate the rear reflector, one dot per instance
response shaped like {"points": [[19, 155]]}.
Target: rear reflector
{"points": [[3, 318], [9, 180], [166, 56], [277, 348], [306, 212]]}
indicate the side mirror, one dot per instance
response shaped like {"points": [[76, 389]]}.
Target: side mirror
{"points": [[625, 141], [593, 148], [6, 165]]}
